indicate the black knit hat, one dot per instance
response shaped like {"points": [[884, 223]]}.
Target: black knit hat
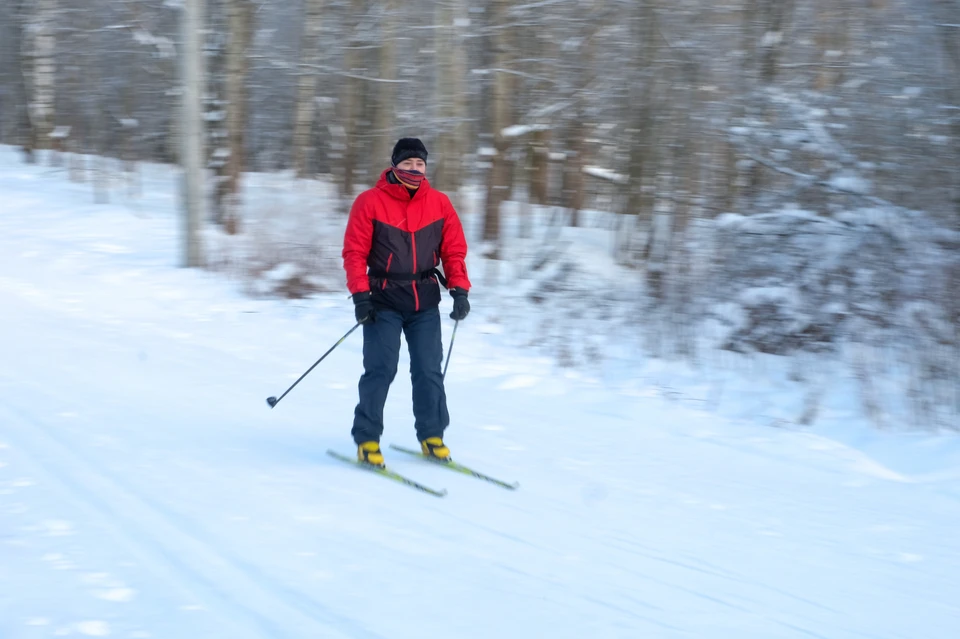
{"points": [[407, 148]]}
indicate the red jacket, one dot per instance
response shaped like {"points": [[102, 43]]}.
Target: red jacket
{"points": [[405, 237]]}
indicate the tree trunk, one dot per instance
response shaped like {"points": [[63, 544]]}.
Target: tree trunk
{"points": [[21, 72], [448, 173], [949, 18], [386, 92], [498, 178], [460, 135], [832, 42], [191, 148], [776, 14], [240, 28], [574, 184], [305, 112], [641, 133], [764, 26], [40, 73], [542, 47], [350, 102], [688, 164], [540, 167]]}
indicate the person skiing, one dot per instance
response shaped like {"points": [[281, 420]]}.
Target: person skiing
{"points": [[397, 235]]}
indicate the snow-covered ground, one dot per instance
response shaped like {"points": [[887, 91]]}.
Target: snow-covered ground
{"points": [[146, 490]]}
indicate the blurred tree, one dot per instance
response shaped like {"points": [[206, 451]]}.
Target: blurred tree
{"points": [[497, 177], [308, 71], [451, 21], [192, 132], [40, 68], [386, 103], [947, 14], [240, 33], [14, 110], [635, 86], [351, 105], [640, 129], [832, 37]]}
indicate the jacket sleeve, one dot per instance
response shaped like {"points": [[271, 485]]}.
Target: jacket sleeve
{"points": [[453, 248], [357, 241]]}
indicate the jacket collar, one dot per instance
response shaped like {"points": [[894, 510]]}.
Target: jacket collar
{"points": [[399, 191]]}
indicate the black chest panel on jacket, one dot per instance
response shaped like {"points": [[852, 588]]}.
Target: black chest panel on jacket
{"points": [[396, 251]]}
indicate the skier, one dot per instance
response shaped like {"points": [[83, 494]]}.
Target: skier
{"points": [[402, 230]]}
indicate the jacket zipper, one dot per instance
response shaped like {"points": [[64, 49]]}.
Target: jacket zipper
{"points": [[416, 296], [389, 261]]}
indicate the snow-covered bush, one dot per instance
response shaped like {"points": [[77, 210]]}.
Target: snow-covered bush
{"points": [[805, 282], [879, 278], [290, 245]]}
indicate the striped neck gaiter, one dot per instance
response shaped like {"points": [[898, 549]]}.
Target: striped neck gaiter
{"points": [[410, 179]]}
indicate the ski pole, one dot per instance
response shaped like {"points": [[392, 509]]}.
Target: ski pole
{"points": [[272, 401], [450, 350]]}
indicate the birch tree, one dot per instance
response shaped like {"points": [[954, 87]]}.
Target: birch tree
{"points": [[17, 99], [574, 185], [383, 129], [451, 20], [350, 99], [240, 29], [832, 41], [543, 49], [306, 107], [40, 71], [948, 25], [192, 134], [640, 128], [497, 177]]}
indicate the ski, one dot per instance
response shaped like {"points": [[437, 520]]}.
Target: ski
{"points": [[389, 474], [457, 467]]}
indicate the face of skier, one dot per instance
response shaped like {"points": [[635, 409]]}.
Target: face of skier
{"points": [[413, 164]]}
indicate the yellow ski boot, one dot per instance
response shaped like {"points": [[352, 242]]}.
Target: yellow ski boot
{"points": [[369, 453], [435, 448]]}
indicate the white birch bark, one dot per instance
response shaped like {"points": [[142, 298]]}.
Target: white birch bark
{"points": [[497, 179], [240, 22], [307, 87], [42, 70], [451, 21], [386, 91], [192, 131]]}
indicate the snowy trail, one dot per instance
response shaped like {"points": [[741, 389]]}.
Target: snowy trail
{"points": [[147, 491], [172, 548]]}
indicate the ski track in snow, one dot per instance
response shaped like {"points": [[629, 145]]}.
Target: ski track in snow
{"points": [[172, 546], [147, 491]]}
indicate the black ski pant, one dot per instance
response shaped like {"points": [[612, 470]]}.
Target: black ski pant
{"points": [[381, 354]]}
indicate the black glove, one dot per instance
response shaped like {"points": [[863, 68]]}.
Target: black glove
{"points": [[461, 307], [363, 308]]}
